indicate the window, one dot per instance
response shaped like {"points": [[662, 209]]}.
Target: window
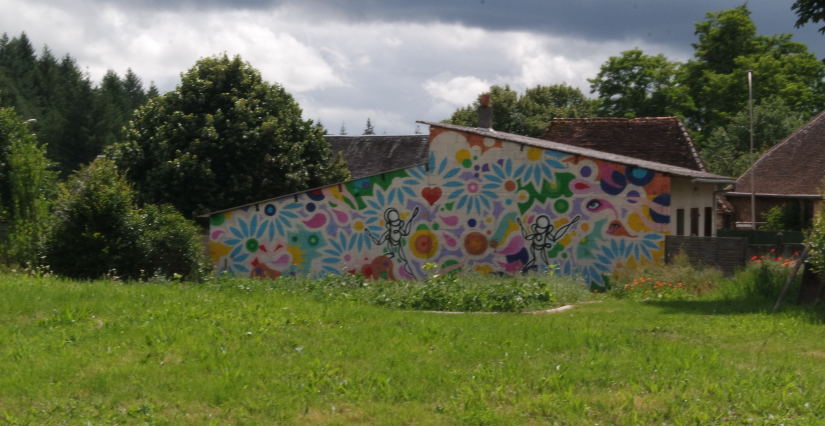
{"points": [[680, 221], [708, 221], [694, 222]]}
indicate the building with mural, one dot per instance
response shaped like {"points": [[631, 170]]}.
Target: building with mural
{"points": [[481, 201]]}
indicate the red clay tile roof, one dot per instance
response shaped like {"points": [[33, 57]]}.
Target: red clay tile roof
{"points": [[659, 139], [795, 166]]}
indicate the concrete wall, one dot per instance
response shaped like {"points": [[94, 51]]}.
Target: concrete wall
{"points": [[481, 205], [688, 195]]}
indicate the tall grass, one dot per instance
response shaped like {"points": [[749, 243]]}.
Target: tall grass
{"points": [[450, 292]]}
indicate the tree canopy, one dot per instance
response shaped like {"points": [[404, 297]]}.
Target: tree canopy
{"points": [[224, 137], [636, 85], [710, 91], [809, 11], [527, 114], [727, 151], [25, 186], [75, 118]]}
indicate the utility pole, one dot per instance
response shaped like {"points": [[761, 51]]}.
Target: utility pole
{"points": [[753, 172]]}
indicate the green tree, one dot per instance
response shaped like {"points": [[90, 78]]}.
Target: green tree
{"points": [[75, 119], [809, 11], [716, 79], [727, 151], [222, 138], [25, 187], [369, 130], [637, 85], [343, 131], [530, 113]]}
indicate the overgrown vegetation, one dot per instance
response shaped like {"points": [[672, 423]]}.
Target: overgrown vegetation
{"points": [[98, 230], [464, 293], [26, 186], [759, 283]]}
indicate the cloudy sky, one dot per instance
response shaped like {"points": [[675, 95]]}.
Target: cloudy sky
{"points": [[395, 61]]}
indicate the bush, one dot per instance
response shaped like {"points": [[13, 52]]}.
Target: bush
{"points": [[783, 218], [97, 230], [451, 292], [171, 245], [25, 186], [816, 244]]}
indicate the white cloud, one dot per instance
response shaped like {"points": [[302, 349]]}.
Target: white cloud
{"points": [[458, 91], [394, 73]]}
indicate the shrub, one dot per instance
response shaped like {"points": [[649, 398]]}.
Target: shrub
{"points": [[783, 218], [450, 292], [172, 245], [25, 186], [97, 230], [816, 244]]}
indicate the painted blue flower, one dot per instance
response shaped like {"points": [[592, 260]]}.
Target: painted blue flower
{"points": [[245, 242], [400, 192], [541, 168]]}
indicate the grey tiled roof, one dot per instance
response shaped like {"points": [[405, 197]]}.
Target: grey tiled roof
{"points": [[372, 155]]}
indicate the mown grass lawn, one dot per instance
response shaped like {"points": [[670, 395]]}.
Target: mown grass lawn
{"points": [[110, 353]]}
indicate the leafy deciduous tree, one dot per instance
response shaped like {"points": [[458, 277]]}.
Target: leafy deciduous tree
{"points": [[25, 186], [637, 85], [728, 148], [809, 11], [222, 138], [530, 113]]}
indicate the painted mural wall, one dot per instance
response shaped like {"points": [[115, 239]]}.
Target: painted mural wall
{"points": [[481, 205]]}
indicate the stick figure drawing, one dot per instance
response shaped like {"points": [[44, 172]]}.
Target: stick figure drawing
{"points": [[543, 237], [396, 228]]}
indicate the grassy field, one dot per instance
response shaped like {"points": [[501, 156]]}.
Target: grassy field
{"points": [[245, 352]]}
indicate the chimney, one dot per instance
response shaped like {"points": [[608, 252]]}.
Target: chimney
{"points": [[485, 114]]}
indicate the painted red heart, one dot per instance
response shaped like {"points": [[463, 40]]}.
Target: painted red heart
{"points": [[431, 194]]}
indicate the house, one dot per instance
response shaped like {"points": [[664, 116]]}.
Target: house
{"points": [[790, 172], [658, 139], [483, 201]]}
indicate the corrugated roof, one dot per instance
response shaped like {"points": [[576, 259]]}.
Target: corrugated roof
{"points": [[370, 155], [587, 152], [794, 167], [659, 139]]}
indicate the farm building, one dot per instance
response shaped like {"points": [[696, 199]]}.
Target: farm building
{"points": [[789, 174], [481, 201]]}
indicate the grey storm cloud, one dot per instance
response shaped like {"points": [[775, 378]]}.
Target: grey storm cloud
{"points": [[668, 22], [393, 61]]}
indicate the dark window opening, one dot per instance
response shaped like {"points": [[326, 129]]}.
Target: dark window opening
{"points": [[680, 221], [694, 222], [708, 221]]}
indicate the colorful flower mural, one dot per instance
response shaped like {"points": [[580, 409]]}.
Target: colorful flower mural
{"points": [[481, 204]]}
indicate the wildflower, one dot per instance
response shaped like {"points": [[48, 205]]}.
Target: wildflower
{"points": [[753, 258], [645, 292]]}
